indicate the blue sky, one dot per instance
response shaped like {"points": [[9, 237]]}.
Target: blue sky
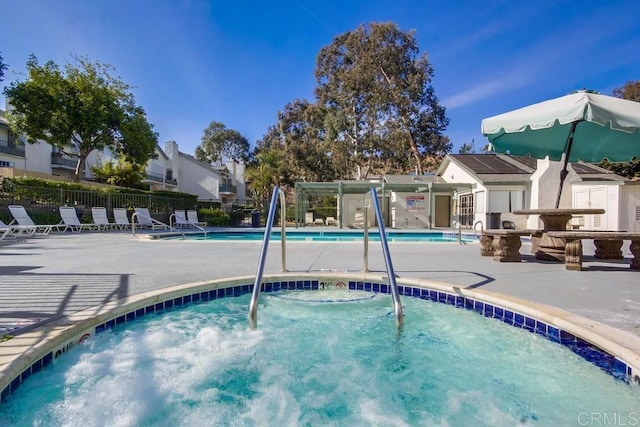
{"points": [[239, 62]]}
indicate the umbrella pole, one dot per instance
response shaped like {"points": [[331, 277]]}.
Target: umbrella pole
{"points": [[567, 150]]}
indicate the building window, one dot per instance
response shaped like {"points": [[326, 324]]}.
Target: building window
{"points": [[506, 201], [466, 209]]}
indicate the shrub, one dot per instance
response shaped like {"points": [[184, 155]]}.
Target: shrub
{"points": [[214, 217]]}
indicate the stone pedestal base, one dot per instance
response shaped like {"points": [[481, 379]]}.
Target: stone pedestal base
{"points": [[507, 249]]}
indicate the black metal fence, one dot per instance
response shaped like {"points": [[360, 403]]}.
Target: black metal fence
{"points": [[43, 202]]}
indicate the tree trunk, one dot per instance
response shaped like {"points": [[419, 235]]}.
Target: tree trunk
{"points": [[82, 158], [412, 142]]}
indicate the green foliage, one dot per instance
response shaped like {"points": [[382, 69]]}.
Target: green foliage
{"points": [[630, 90], [44, 191], [630, 170], [80, 109], [220, 144], [382, 114], [123, 174], [3, 67], [214, 217]]}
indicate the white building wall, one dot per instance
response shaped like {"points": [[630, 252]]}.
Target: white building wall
{"points": [[194, 178], [455, 174], [38, 157], [409, 210], [630, 207]]}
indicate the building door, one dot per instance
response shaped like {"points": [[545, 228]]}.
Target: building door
{"points": [[592, 198], [442, 211], [466, 210]]}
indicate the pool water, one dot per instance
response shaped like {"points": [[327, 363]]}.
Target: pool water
{"points": [[325, 236], [317, 358]]}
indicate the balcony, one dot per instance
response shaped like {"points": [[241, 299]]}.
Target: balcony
{"points": [[227, 189], [10, 148], [161, 179], [61, 162]]}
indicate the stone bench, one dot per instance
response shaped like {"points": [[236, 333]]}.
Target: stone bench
{"points": [[503, 245], [607, 243]]}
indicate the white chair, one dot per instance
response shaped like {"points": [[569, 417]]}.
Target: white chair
{"points": [[21, 217], [121, 218], [145, 220], [100, 218], [16, 230], [331, 221], [71, 221], [180, 219], [192, 217]]}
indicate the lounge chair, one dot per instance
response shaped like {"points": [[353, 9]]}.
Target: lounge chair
{"points": [[331, 221], [145, 220], [71, 221], [15, 230], [121, 218], [179, 219], [21, 217], [318, 221], [101, 220], [192, 217]]}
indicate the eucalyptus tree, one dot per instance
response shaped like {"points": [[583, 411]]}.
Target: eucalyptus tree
{"points": [[79, 109], [299, 136], [630, 90], [382, 110], [3, 67], [220, 143]]}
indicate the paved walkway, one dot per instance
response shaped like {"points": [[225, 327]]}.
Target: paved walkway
{"points": [[50, 277]]}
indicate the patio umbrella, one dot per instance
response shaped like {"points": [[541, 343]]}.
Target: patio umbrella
{"points": [[580, 126]]}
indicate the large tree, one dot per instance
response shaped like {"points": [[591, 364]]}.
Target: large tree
{"points": [[220, 144], [630, 90], [3, 67], [299, 138], [382, 110], [79, 109]]}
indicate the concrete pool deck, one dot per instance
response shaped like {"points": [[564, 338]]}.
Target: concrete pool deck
{"points": [[52, 277]]}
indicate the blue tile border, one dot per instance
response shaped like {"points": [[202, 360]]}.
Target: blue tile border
{"points": [[602, 359]]}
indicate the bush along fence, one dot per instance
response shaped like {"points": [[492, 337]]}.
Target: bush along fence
{"points": [[42, 198]]}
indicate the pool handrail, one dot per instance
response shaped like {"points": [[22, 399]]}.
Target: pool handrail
{"points": [[395, 294], [172, 221], [133, 226], [255, 296]]}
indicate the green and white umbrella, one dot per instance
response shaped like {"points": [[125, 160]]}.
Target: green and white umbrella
{"points": [[580, 126]]}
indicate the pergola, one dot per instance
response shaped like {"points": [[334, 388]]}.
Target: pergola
{"points": [[384, 186]]}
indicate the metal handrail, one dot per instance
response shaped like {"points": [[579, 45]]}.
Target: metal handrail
{"points": [[255, 296], [172, 218], [133, 225], [395, 294], [481, 227]]}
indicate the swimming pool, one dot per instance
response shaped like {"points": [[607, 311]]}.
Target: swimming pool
{"points": [[327, 236], [317, 357]]}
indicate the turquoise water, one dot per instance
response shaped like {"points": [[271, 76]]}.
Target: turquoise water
{"points": [[323, 236], [317, 363]]}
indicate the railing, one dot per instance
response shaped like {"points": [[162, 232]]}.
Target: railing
{"points": [[255, 297], [228, 189], [160, 178], [12, 149], [57, 159], [481, 227], [395, 294], [172, 224]]}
